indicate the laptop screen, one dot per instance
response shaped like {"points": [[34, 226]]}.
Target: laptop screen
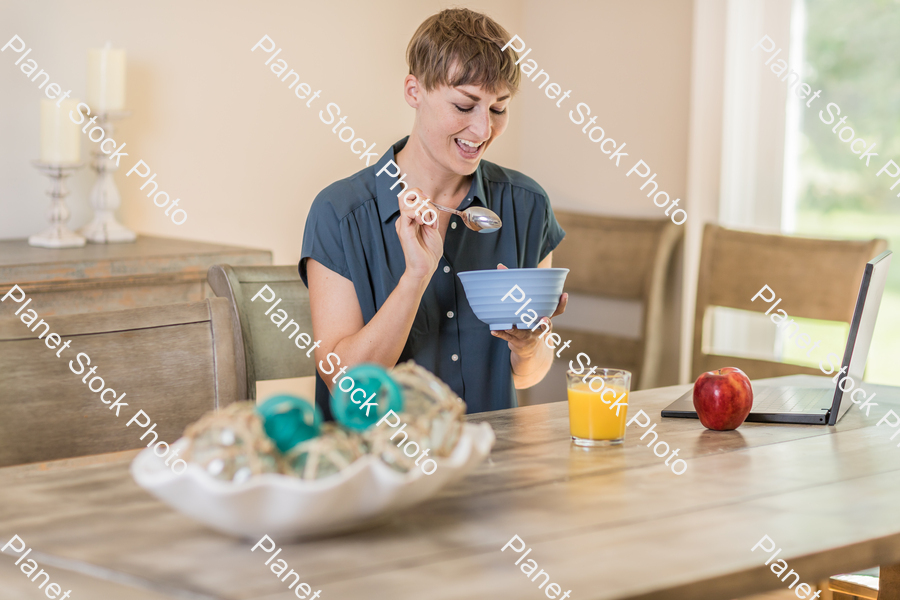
{"points": [[862, 327]]}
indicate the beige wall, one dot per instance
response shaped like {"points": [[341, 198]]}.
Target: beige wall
{"points": [[243, 153], [630, 62], [246, 157]]}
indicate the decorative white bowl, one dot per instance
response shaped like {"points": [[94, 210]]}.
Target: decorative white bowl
{"points": [[288, 507], [486, 288]]}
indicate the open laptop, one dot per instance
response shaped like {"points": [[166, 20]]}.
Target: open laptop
{"points": [[818, 406]]}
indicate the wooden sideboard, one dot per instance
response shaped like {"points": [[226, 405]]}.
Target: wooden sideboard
{"points": [[99, 277]]}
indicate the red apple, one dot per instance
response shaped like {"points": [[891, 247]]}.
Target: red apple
{"points": [[723, 398]]}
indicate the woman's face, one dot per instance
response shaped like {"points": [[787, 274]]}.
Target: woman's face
{"points": [[457, 124]]}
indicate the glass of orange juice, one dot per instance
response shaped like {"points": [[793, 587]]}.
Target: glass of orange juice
{"points": [[597, 410]]}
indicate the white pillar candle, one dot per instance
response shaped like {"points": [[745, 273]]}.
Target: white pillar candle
{"points": [[60, 137], [106, 79]]}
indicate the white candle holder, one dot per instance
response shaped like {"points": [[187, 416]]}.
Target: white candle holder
{"points": [[105, 199], [58, 235]]}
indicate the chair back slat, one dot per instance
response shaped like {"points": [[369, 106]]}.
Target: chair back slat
{"points": [[618, 258], [267, 343], [815, 278], [608, 256]]}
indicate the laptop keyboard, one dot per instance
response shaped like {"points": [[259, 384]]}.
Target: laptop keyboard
{"points": [[788, 399]]}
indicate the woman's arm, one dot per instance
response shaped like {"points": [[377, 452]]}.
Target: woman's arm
{"points": [[337, 318], [338, 322], [530, 356]]}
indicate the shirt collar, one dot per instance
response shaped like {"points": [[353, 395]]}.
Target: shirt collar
{"points": [[388, 203]]}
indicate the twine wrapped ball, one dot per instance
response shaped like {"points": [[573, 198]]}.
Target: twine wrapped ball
{"points": [[289, 420], [281, 435], [286, 435], [433, 413], [231, 445], [330, 453]]}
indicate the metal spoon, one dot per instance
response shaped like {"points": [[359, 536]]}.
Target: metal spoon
{"points": [[476, 218]]}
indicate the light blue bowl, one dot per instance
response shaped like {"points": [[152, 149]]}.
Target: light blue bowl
{"points": [[485, 291]]}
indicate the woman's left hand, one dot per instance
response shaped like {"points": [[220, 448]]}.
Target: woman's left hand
{"points": [[527, 342]]}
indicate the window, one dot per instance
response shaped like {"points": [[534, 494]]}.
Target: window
{"points": [[851, 52]]}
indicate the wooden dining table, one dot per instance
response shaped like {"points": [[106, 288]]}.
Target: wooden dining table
{"points": [[603, 523]]}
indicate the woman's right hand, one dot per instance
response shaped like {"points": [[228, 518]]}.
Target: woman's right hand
{"points": [[422, 244]]}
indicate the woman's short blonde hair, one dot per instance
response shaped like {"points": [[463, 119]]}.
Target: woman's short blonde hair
{"points": [[458, 46]]}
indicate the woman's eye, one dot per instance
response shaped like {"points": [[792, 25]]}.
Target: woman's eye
{"points": [[466, 110]]}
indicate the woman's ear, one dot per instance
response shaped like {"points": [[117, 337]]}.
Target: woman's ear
{"points": [[411, 91]]}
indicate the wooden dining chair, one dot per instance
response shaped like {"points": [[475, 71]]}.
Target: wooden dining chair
{"points": [[624, 259], [175, 362], [815, 278], [264, 351]]}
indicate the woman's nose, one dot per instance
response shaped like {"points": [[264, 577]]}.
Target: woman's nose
{"points": [[481, 126]]}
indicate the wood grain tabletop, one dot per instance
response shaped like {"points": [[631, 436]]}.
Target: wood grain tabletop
{"points": [[607, 523]]}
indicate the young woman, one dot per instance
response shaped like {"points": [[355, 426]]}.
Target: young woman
{"points": [[382, 282]]}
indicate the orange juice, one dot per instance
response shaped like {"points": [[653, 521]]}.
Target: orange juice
{"points": [[590, 418]]}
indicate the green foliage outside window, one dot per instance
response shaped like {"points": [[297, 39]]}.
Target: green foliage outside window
{"points": [[853, 56]]}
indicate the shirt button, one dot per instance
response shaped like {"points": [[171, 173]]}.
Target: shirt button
{"points": [[446, 269], [454, 358], [453, 225], [449, 314]]}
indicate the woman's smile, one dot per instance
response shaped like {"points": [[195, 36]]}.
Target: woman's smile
{"points": [[469, 150]]}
